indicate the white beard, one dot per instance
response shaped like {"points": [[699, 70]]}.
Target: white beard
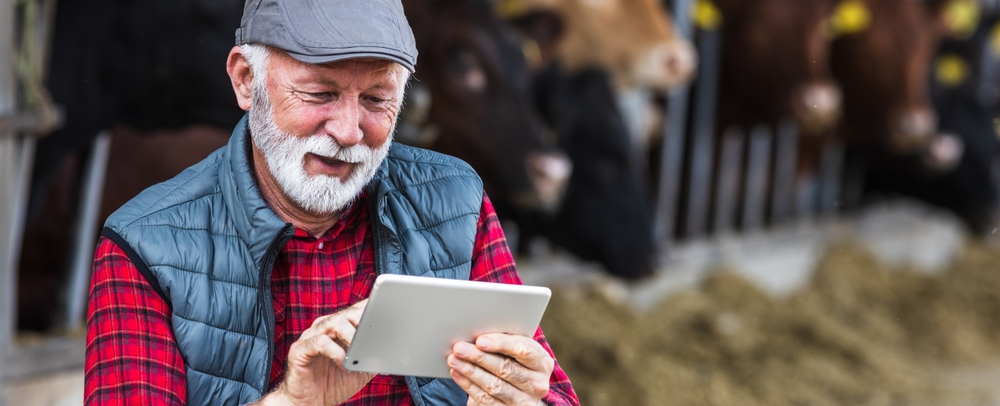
{"points": [[285, 155]]}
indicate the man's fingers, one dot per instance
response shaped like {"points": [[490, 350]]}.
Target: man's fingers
{"points": [[525, 350], [504, 367], [354, 312], [477, 396], [304, 351], [340, 326], [487, 388]]}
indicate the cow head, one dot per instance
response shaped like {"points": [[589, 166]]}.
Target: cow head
{"points": [[775, 62], [475, 74], [883, 69], [634, 39]]}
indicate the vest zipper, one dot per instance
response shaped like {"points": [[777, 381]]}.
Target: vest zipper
{"points": [[264, 295], [378, 234]]}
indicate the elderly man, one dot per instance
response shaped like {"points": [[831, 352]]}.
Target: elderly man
{"points": [[242, 279]]}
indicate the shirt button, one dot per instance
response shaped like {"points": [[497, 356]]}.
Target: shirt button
{"points": [[321, 245]]}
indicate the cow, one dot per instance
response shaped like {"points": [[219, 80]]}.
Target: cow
{"points": [[634, 39], [883, 70], [775, 64], [964, 91], [774, 68]]}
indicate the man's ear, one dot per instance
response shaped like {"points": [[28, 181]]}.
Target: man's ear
{"points": [[241, 75]]}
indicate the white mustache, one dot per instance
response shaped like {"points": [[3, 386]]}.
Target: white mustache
{"points": [[327, 147]]}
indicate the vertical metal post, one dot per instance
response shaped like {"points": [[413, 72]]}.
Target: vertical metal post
{"points": [[74, 296], [672, 150], [758, 168], [703, 141], [727, 189], [806, 190], [831, 174], [785, 170], [854, 181], [8, 183]]}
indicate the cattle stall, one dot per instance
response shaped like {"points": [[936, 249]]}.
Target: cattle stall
{"points": [[747, 182], [895, 122]]}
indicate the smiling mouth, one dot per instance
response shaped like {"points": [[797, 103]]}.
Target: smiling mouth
{"points": [[329, 161], [330, 165]]}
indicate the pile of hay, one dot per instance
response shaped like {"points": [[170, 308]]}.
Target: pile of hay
{"points": [[860, 334]]}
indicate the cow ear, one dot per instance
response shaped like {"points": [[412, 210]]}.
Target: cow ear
{"points": [[543, 30]]}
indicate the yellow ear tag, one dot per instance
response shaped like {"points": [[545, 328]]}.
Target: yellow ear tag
{"points": [[510, 8], [962, 17], [706, 15], [850, 17], [950, 70], [532, 52], [995, 39]]}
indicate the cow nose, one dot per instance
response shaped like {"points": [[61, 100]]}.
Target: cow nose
{"points": [[680, 62], [666, 64], [549, 173], [912, 129], [817, 106], [943, 153]]}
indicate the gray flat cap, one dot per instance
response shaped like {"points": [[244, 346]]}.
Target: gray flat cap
{"points": [[318, 31]]}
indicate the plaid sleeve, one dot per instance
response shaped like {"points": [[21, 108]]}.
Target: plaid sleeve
{"points": [[132, 358], [492, 261]]}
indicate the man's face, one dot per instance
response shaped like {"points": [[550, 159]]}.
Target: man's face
{"points": [[324, 129]]}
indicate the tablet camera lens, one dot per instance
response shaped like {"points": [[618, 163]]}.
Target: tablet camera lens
{"points": [[355, 362]]}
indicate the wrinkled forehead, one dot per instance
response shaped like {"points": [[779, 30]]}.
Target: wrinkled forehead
{"points": [[373, 70]]}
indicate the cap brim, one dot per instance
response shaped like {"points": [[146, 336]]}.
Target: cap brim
{"points": [[315, 59]]}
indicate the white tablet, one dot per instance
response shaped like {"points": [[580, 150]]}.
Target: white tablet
{"points": [[411, 322]]}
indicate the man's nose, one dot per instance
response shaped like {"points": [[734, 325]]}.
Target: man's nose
{"points": [[343, 123]]}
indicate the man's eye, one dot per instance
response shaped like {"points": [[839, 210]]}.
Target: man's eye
{"points": [[377, 100], [318, 96]]}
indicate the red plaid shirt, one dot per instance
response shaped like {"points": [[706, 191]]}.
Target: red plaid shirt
{"points": [[131, 355]]}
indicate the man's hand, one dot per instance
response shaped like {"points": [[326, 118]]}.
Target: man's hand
{"points": [[502, 369], [315, 374]]}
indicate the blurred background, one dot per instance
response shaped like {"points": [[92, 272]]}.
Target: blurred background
{"points": [[736, 202]]}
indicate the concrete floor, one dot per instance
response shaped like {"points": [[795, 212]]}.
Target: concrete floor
{"points": [[58, 389]]}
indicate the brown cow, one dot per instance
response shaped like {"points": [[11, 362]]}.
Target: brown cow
{"points": [[884, 70], [775, 64], [634, 39]]}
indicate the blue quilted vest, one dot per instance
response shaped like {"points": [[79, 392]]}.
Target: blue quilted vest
{"points": [[206, 242]]}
